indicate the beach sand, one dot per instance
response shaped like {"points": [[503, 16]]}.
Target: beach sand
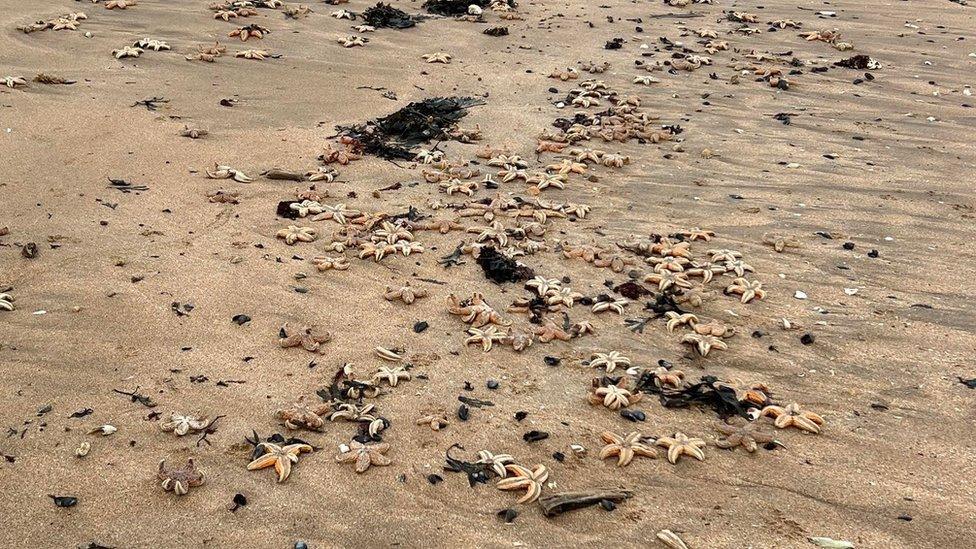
{"points": [[893, 467]]}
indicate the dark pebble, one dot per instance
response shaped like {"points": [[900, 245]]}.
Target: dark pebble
{"points": [[552, 361], [508, 515], [874, 254], [607, 505], [301, 545], [807, 339], [420, 326], [492, 384], [633, 415], [240, 320], [463, 412], [559, 456], [535, 436], [906, 518], [64, 501], [520, 415], [434, 479], [848, 245]]}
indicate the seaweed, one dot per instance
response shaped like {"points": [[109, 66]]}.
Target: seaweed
{"points": [[708, 393], [476, 472], [392, 136], [386, 16], [500, 268]]}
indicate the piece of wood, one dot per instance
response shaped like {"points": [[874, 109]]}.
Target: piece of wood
{"points": [[559, 503]]}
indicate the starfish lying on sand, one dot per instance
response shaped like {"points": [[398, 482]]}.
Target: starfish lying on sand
{"points": [[704, 343], [311, 338], [406, 294], [523, 478], [497, 462], [127, 51], [613, 397], [392, 376], [13, 81], [227, 172], [748, 289], [435, 421], [365, 455], [294, 234], [678, 319], [438, 57], [625, 447], [353, 41], [181, 425], [302, 416], [249, 31], [610, 360], [325, 263], [253, 54], [179, 480], [119, 4], [485, 337], [740, 432], [793, 416], [7, 302], [281, 457], [680, 444]]}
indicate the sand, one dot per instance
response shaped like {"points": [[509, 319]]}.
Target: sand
{"points": [[893, 467]]}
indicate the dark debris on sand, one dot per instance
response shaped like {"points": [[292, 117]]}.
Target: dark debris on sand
{"points": [[500, 268], [392, 136], [386, 16]]}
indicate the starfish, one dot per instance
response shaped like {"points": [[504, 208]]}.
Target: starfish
{"points": [[680, 444], [714, 328], [550, 331], [613, 397], [704, 343], [695, 233], [724, 255], [568, 74], [344, 14], [563, 296], [495, 231], [497, 462], [438, 57], [755, 393], [406, 248], [250, 31], [739, 432], [780, 242], [671, 263], [543, 181], [668, 378], [667, 279], [582, 328], [625, 447], [678, 319], [738, 267], [152, 44], [455, 185], [476, 311], [616, 305], [567, 166], [13, 81], [310, 338], [525, 479], [485, 337], [747, 289], [343, 156], [668, 247], [694, 297], [549, 146], [182, 425], [325, 263], [127, 51], [406, 294], [352, 41], [705, 269], [365, 455], [503, 160], [294, 234], [7, 302], [435, 421], [226, 15], [193, 133], [119, 4], [179, 480], [615, 160], [364, 28], [645, 80], [338, 213], [322, 173], [519, 340], [614, 262], [281, 457], [584, 252], [610, 360], [793, 416], [511, 173], [227, 172], [543, 285], [391, 375], [253, 54], [351, 412], [305, 207], [303, 416]]}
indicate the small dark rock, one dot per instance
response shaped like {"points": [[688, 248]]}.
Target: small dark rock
{"points": [[492, 384], [508, 515], [64, 501], [29, 250], [434, 478], [463, 412], [848, 245], [552, 361], [420, 326], [520, 415], [559, 456], [607, 505], [633, 415], [807, 339], [874, 254], [240, 320], [535, 436]]}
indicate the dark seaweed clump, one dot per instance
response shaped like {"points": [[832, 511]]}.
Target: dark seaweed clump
{"points": [[393, 136], [386, 16], [500, 268], [708, 393]]}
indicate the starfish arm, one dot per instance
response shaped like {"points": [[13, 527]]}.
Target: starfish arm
{"points": [[283, 467]]}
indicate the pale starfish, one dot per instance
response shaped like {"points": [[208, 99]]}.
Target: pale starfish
{"points": [[519, 340], [543, 285], [364, 28], [322, 173], [352, 412], [305, 207], [227, 172], [614, 262], [675, 264], [226, 15], [476, 311], [525, 479], [705, 269], [182, 425], [793, 416], [723, 255], [666, 279], [392, 376], [695, 233], [616, 305], [667, 247], [780, 242], [455, 185], [511, 173], [668, 378], [678, 319], [338, 213], [253, 54], [543, 181], [615, 160], [739, 432], [406, 294], [59, 24], [303, 416], [365, 455], [281, 457], [613, 397], [609, 361], [119, 4], [756, 393], [582, 328], [193, 133], [325, 263], [7, 302], [748, 289], [497, 462], [680, 445], [179, 480], [294, 234], [714, 328], [344, 14], [249, 31], [508, 160], [485, 337], [13, 81], [694, 297], [438, 57], [625, 447], [310, 338], [738, 267], [352, 41], [496, 231], [435, 421], [127, 51], [704, 343], [563, 296]]}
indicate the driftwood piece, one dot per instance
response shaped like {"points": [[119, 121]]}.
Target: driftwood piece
{"points": [[559, 503], [276, 173]]}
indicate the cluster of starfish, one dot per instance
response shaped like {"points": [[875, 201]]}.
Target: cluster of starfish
{"points": [[68, 21]]}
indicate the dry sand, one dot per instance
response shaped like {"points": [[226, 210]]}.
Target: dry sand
{"points": [[892, 469]]}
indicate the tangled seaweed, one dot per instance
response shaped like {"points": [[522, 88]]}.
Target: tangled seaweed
{"points": [[708, 393], [500, 268], [393, 136], [386, 16]]}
